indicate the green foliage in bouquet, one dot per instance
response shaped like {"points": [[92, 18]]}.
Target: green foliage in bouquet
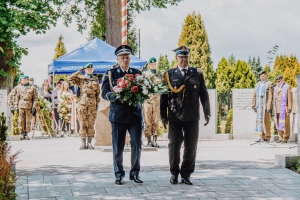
{"points": [[7, 176], [45, 107], [3, 128], [15, 130]]}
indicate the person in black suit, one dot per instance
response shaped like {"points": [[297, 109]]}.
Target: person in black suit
{"points": [[123, 118], [180, 108], [75, 89]]}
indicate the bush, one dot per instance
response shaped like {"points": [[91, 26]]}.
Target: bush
{"points": [[298, 166], [228, 125], [7, 176], [3, 128], [15, 130], [219, 124]]}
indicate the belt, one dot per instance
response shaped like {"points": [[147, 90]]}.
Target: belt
{"points": [[90, 95]]}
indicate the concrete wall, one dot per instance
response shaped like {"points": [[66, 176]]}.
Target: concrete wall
{"points": [[243, 115]]}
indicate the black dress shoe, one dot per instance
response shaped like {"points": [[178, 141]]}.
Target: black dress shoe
{"points": [[119, 181], [174, 179], [136, 179], [187, 181]]}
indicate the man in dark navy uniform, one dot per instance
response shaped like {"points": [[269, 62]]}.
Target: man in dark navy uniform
{"points": [[123, 118], [180, 108]]}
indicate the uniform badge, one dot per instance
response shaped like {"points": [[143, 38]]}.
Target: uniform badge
{"points": [[118, 70], [175, 87], [195, 86]]}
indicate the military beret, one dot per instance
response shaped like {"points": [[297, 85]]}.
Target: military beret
{"points": [[123, 49], [23, 77], [89, 65], [152, 60], [279, 77], [182, 51], [262, 72]]}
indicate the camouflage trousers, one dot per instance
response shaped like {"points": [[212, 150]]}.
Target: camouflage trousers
{"points": [[151, 115], [24, 120], [86, 117]]}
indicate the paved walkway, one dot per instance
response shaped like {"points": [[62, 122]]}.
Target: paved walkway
{"points": [[55, 169]]}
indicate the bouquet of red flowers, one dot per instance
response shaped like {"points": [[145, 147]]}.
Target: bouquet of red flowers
{"points": [[133, 89]]}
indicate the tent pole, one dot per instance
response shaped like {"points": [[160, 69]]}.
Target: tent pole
{"points": [[53, 117]]}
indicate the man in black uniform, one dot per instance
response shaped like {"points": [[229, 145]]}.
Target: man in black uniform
{"points": [[123, 118], [180, 108]]}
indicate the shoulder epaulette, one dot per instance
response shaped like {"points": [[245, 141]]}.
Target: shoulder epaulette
{"points": [[114, 66]]}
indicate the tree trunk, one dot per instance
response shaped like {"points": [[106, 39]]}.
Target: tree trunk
{"points": [[113, 22], [4, 81]]}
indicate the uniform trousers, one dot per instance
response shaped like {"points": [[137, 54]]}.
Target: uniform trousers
{"points": [[151, 115], [266, 133], [86, 117], [185, 132], [25, 116], [118, 140]]}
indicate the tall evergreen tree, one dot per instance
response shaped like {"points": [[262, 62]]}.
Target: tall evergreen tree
{"points": [[255, 67], [224, 80], [231, 60], [194, 35], [289, 67], [60, 48], [242, 76], [160, 63], [163, 63]]}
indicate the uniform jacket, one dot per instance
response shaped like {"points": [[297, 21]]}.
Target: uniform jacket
{"points": [[269, 96], [12, 97], [26, 97], [89, 87], [184, 106], [120, 112]]}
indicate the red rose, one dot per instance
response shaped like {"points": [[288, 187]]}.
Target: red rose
{"points": [[136, 75], [131, 78], [134, 89], [127, 75]]}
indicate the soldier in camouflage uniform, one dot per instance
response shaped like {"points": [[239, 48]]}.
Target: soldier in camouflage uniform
{"points": [[151, 107], [25, 101], [88, 103]]}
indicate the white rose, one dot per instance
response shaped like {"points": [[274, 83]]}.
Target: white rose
{"points": [[155, 89], [145, 92], [144, 87], [146, 82]]}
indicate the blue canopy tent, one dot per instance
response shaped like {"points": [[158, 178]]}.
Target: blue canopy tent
{"points": [[101, 54]]}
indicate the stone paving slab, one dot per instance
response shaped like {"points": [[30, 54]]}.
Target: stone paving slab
{"points": [[222, 172], [161, 189]]}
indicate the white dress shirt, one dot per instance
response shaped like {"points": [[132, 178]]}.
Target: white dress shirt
{"points": [[180, 68]]}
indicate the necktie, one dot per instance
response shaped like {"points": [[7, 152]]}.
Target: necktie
{"points": [[184, 73], [125, 72]]}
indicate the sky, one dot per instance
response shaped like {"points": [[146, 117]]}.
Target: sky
{"points": [[240, 27]]}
